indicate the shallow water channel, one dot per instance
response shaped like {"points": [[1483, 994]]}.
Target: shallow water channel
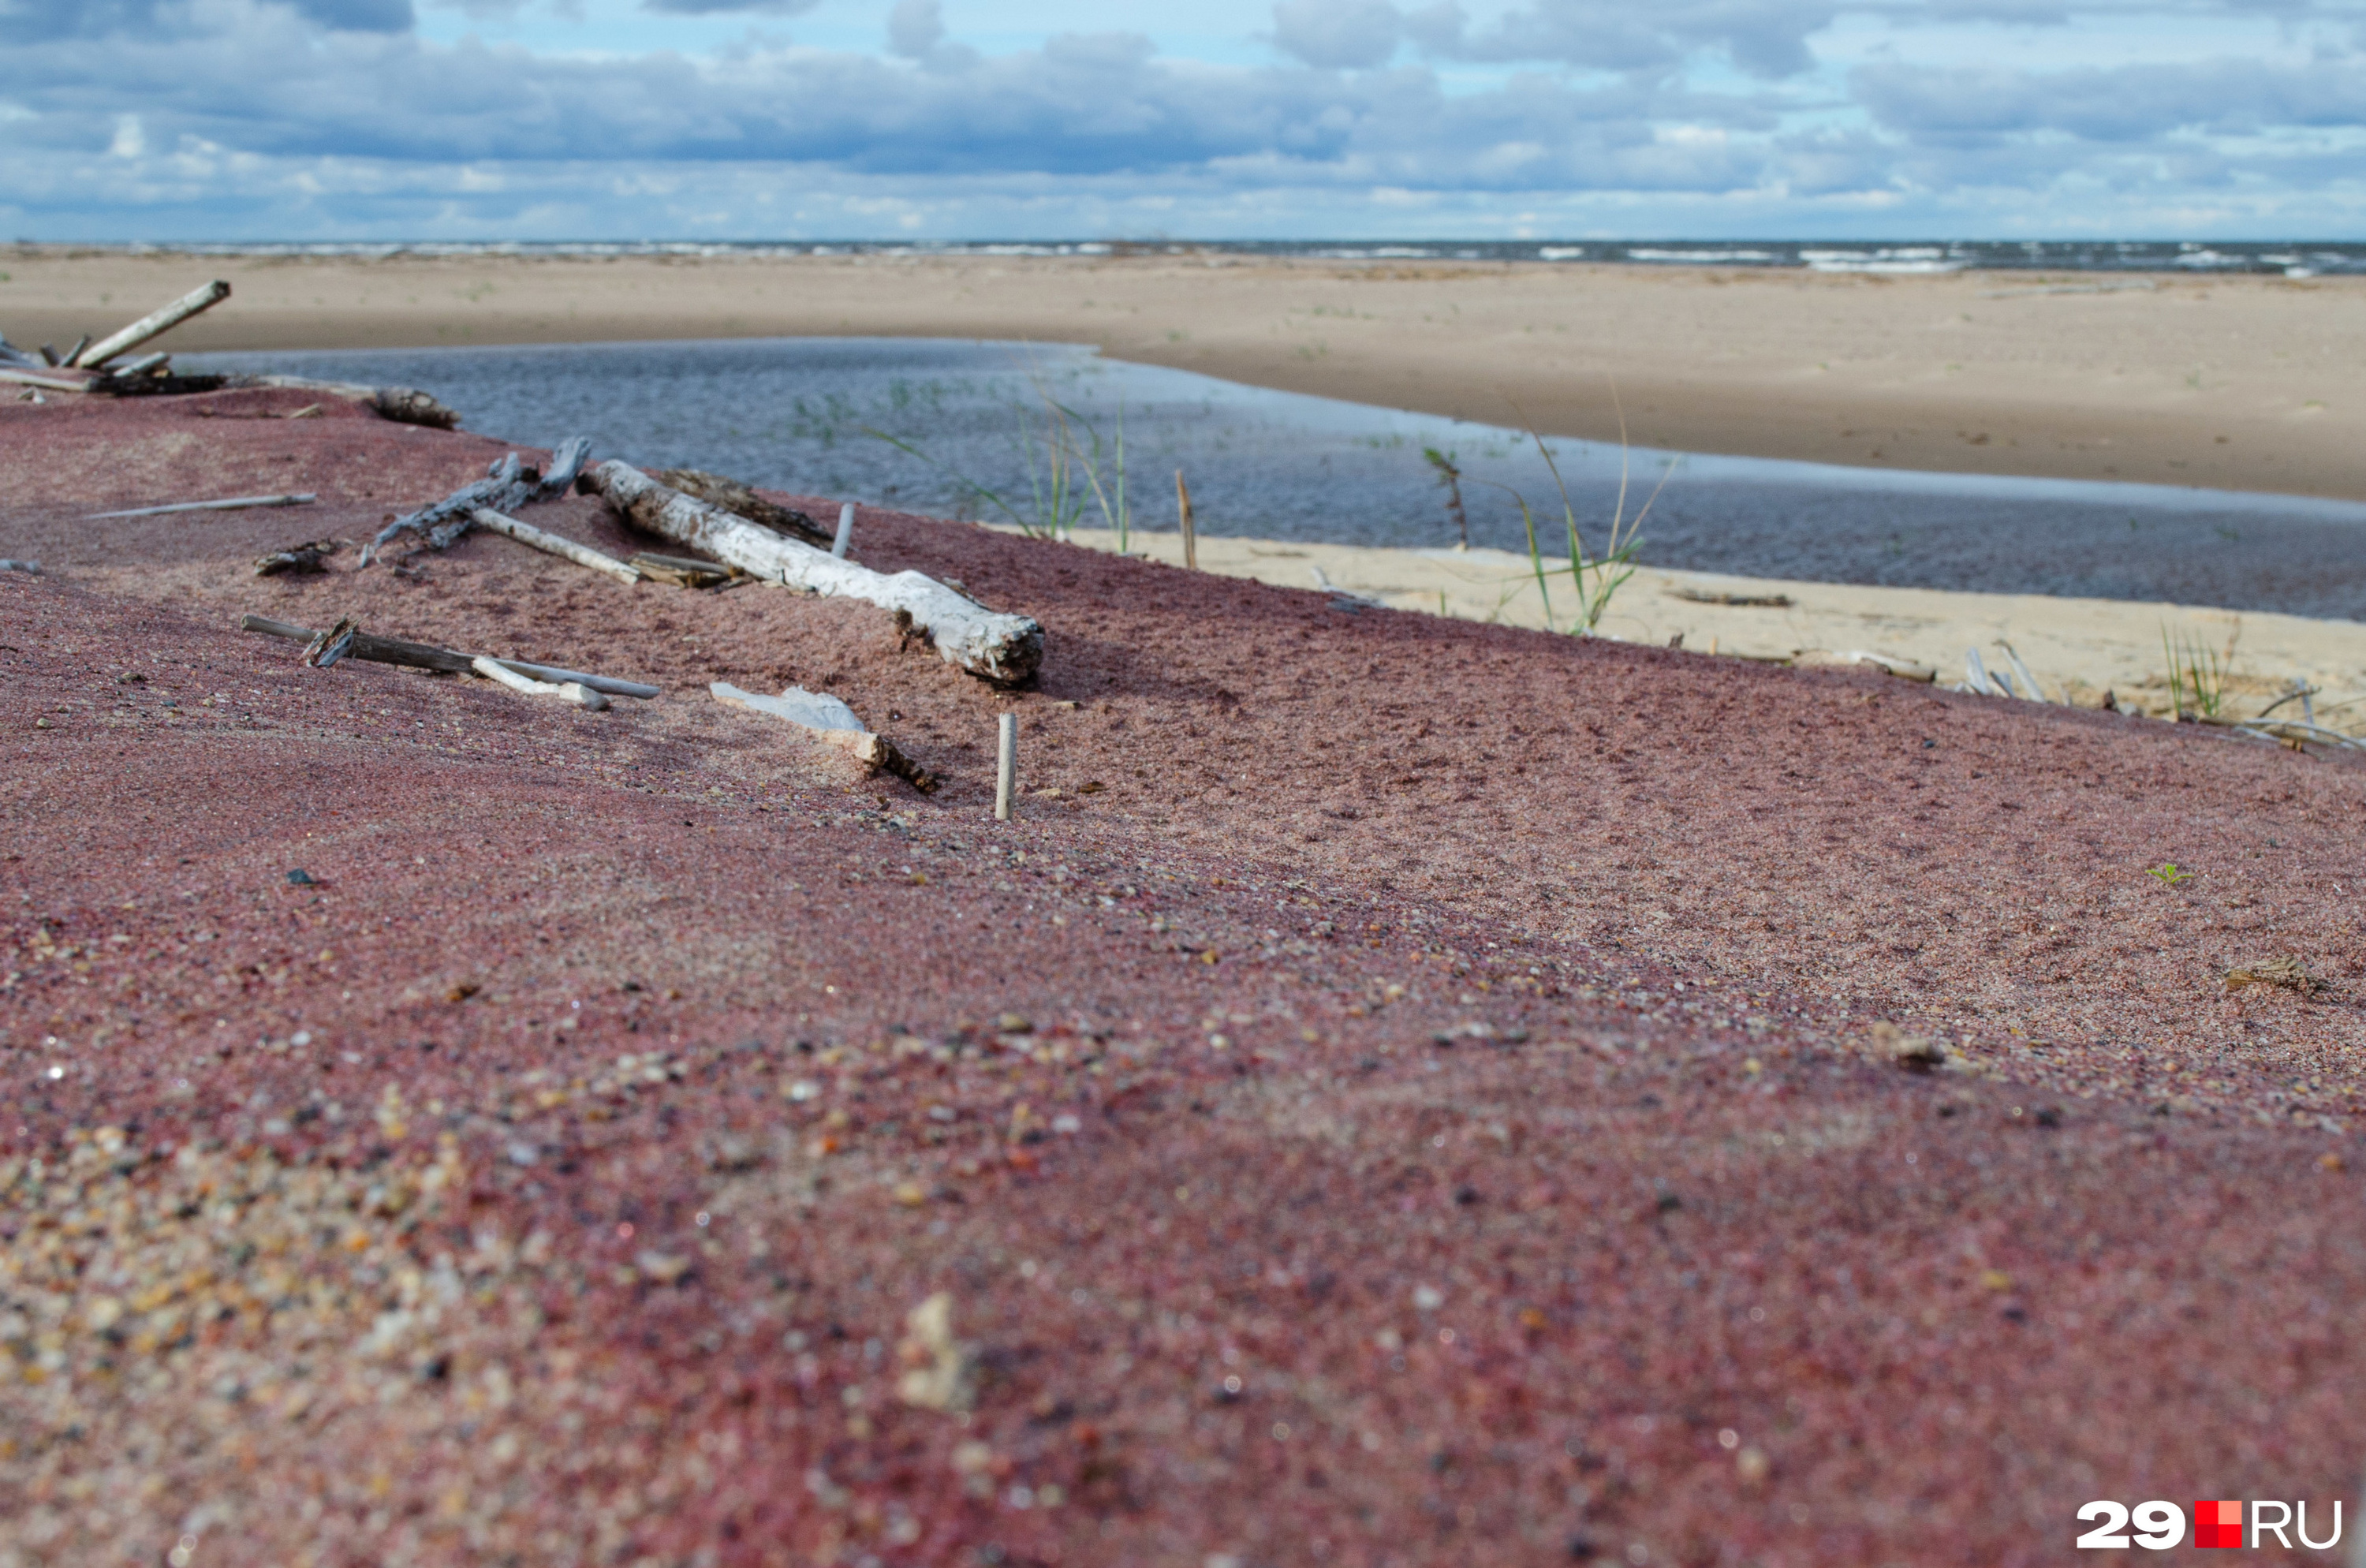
{"points": [[976, 424]]}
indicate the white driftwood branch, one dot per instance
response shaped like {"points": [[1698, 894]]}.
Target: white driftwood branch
{"points": [[49, 380], [508, 484], [575, 692], [1003, 648], [832, 722], [229, 504], [607, 683], [551, 544], [153, 324]]}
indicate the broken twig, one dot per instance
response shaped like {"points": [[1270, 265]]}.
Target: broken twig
{"points": [[229, 504], [427, 656], [551, 544], [507, 485], [832, 721]]}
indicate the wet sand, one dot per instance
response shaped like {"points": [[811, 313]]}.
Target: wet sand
{"points": [[2236, 383]]}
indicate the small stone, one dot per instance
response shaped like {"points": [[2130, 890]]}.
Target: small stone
{"points": [[300, 878], [1751, 1465], [1013, 1024], [663, 1268], [1427, 1298], [911, 1194]]}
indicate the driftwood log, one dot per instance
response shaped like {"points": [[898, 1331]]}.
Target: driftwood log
{"points": [[303, 558], [1002, 649], [404, 405], [551, 544], [154, 323], [574, 691], [739, 500], [831, 721], [508, 485], [427, 656]]}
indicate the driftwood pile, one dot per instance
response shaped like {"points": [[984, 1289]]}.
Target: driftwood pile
{"points": [[93, 367]]}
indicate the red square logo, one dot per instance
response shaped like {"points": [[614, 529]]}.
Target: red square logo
{"points": [[2219, 1524]]}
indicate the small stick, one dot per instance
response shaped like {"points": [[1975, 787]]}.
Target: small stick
{"points": [[232, 503], [575, 692], [76, 352], [1006, 765], [150, 325], [426, 656], [138, 367], [845, 531], [48, 356], [1183, 505], [551, 544]]}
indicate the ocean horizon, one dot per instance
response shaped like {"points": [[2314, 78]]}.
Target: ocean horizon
{"points": [[1896, 257]]}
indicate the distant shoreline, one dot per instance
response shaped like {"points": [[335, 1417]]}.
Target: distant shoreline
{"points": [[2235, 382]]}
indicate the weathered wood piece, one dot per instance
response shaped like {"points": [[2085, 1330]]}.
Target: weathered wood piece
{"points": [[1006, 650], [844, 540], [228, 503], [427, 656], [327, 647], [1711, 596], [372, 649], [507, 485], [1183, 510], [1006, 764], [741, 502], [32, 568], [832, 722], [153, 324], [303, 558], [682, 572], [76, 352], [404, 405], [551, 544], [1904, 668], [2020, 673], [35, 375], [607, 683], [574, 691], [139, 366]]}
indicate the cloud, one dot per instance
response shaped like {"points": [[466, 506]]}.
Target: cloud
{"points": [[1370, 115], [915, 26], [40, 21], [1352, 34], [716, 8]]}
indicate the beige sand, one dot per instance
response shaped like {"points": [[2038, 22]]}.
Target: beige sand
{"points": [[2250, 383], [2077, 648]]}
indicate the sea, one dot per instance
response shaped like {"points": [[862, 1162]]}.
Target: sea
{"points": [[1052, 435], [2290, 259]]}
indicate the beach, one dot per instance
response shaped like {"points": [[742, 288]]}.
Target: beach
{"points": [[2228, 382], [1398, 1090]]}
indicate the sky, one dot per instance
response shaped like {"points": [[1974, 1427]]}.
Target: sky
{"points": [[187, 121]]}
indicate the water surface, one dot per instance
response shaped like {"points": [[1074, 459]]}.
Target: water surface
{"points": [[813, 414]]}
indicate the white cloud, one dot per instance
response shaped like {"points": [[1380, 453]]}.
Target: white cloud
{"points": [[1706, 115]]}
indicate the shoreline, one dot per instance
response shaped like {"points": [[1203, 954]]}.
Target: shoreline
{"points": [[2237, 383], [2079, 649]]}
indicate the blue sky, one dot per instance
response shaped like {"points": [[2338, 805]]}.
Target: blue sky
{"points": [[545, 120]]}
